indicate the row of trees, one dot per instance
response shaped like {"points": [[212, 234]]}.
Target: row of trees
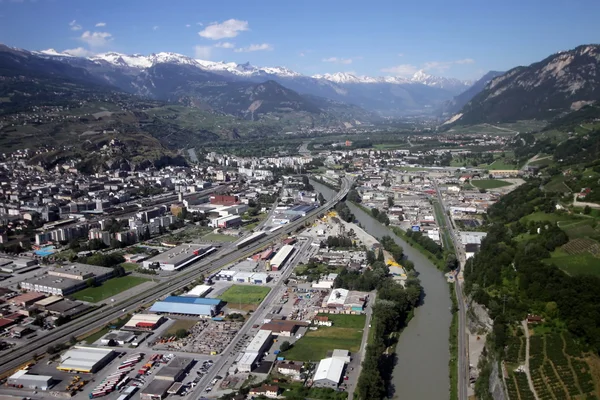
{"points": [[426, 242], [344, 211]]}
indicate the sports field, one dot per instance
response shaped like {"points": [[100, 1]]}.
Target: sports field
{"points": [[245, 294], [489, 183], [108, 288]]}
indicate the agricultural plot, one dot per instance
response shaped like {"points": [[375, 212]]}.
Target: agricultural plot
{"points": [[582, 245], [558, 369], [557, 185], [525, 392], [515, 350]]}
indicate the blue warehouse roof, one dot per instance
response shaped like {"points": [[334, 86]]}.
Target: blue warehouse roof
{"points": [[192, 300], [182, 308]]}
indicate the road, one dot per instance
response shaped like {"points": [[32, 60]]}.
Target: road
{"points": [[363, 345], [228, 356], [463, 356], [101, 317]]}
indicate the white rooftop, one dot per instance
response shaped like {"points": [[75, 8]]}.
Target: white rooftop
{"points": [[330, 369], [338, 296]]}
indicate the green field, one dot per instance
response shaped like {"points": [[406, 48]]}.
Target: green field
{"points": [[245, 294], [108, 288], [557, 184], [489, 183], [129, 267], [575, 264], [441, 221], [346, 321], [315, 344], [217, 237], [502, 164]]}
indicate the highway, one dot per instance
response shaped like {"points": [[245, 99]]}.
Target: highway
{"points": [[101, 317], [463, 356]]}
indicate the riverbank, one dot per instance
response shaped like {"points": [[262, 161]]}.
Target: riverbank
{"points": [[422, 357], [453, 341]]}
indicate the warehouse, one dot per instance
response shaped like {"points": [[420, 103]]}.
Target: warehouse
{"points": [[247, 362], [178, 257], [117, 338], [329, 373], [259, 278], [85, 359], [200, 307], [242, 276], [229, 221], [48, 301], [260, 342], [281, 257], [27, 299], [144, 322], [156, 390], [22, 379], [225, 275], [280, 327], [54, 285], [198, 291], [342, 299], [174, 371], [82, 272]]}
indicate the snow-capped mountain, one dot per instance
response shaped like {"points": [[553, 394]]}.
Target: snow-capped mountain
{"points": [[390, 95], [419, 77]]}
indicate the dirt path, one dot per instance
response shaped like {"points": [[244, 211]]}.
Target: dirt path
{"points": [[582, 203], [529, 380]]}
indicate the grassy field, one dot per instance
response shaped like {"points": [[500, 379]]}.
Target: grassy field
{"points": [[557, 184], [502, 164], [575, 264], [108, 288], [179, 324], [97, 335], [129, 267], [441, 221], [217, 237], [245, 294], [489, 183], [315, 344], [390, 146], [346, 321]]}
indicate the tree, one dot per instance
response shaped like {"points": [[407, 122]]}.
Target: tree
{"points": [[375, 212], [91, 282], [451, 262], [587, 210], [380, 256], [285, 346], [181, 333], [390, 201], [321, 199]]}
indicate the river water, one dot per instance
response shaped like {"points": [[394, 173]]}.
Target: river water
{"points": [[422, 351]]}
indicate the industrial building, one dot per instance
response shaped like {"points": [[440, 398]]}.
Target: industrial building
{"points": [[85, 359], [144, 322], [229, 221], [200, 307], [22, 379], [247, 362], [82, 272], [117, 338], [27, 299], [251, 239], [256, 278], [198, 291], [178, 257], [281, 257], [347, 300], [260, 342], [280, 327], [175, 370], [329, 373], [53, 285]]}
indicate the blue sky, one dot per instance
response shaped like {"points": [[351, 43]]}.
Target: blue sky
{"points": [[460, 38]]}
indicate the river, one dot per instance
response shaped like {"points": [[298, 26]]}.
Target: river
{"points": [[422, 351]]}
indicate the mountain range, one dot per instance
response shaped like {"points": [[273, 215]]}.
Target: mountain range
{"points": [[394, 96], [556, 86]]}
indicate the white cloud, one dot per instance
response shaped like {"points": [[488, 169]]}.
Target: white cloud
{"points": [[100, 24], [254, 47], [75, 26], [155, 28], [437, 66], [187, 25], [225, 45], [337, 60], [199, 24], [96, 39], [202, 52], [79, 52], [301, 54], [227, 29], [401, 70], [400, 54], [441, 66]]}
